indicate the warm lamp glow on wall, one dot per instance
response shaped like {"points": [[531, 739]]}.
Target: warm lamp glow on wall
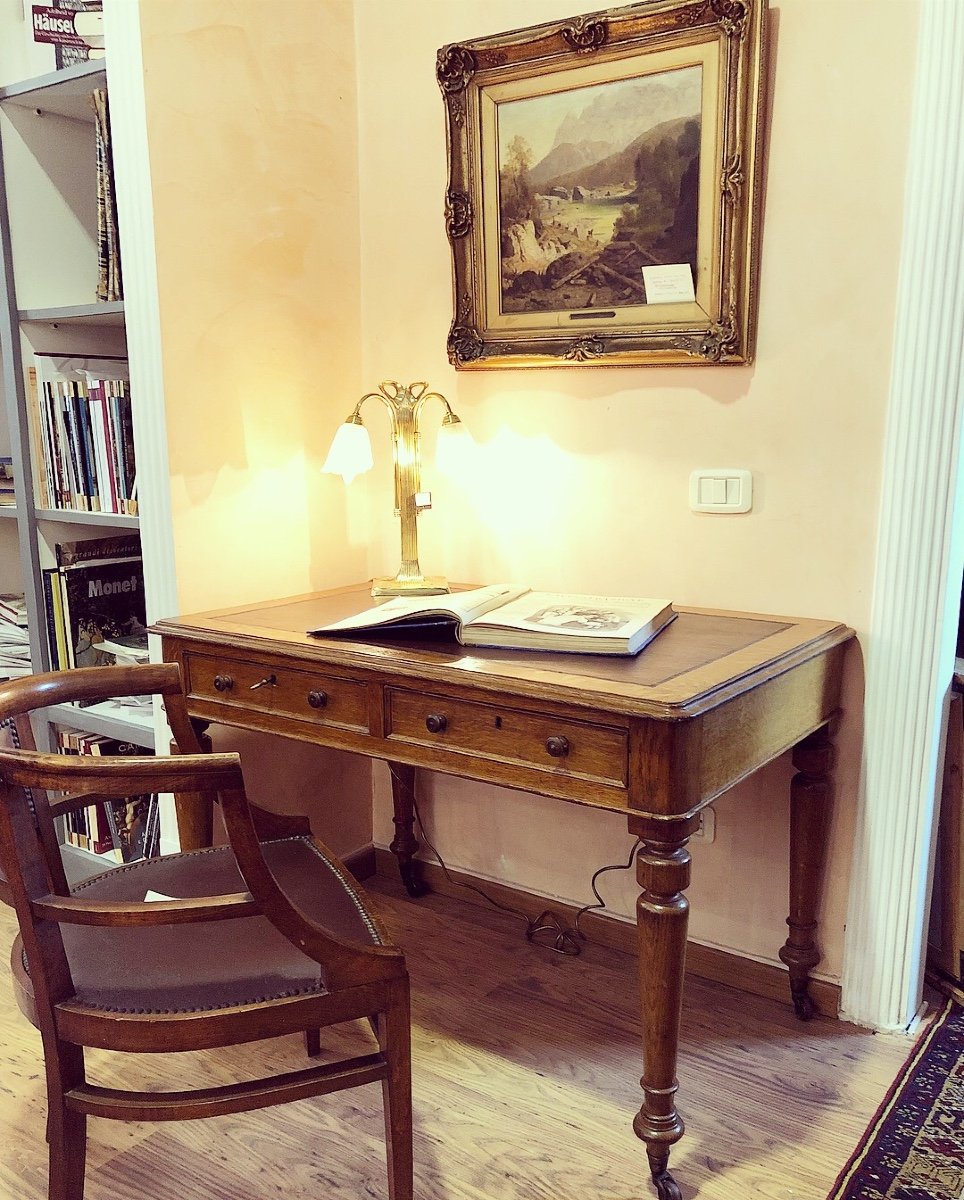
{"points": [[351, 455]]}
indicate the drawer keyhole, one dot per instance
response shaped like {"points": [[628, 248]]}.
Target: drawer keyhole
{"points": [[223, 683], [436, 723], [557, 746], [268, 681]]}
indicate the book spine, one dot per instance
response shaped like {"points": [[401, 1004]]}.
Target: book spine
{"points": [[127, 446], [152, 828], [100, 448], [56, 638], [82, 401], [77, 407], [110, 459], [53, 448], [103, 843], [117, 838], [64, 416], [115, 438], [40, 481], [70, 659]]}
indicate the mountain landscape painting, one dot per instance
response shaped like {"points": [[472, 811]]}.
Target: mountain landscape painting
{"points": [[596, 183]]}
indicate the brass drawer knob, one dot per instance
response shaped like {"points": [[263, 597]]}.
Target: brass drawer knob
{"points": [[317, 699], [436, 723], [223, 683], [557, 746]]}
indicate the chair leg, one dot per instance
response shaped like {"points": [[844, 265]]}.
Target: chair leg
{"points": [[66, 1129], [312, 1042], [67, 1135], [395, 1040]]}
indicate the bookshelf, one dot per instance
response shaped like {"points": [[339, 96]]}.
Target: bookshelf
{"points": [[49, 307]]}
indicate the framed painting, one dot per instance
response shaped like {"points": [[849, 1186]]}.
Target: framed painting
{"points": [[604, 187]]}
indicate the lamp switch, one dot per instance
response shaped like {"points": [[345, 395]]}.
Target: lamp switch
{"points": [[721, 490], [423, 499]]}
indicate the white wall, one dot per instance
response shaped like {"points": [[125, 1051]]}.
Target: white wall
{"points": [[581, 481], [252, 130], [274, 177]]}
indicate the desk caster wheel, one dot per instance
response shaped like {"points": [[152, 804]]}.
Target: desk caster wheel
{"points": [[412, 880], [667, 1187]]}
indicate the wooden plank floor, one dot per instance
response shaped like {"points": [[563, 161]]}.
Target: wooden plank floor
{"points": [[526, 1068]]}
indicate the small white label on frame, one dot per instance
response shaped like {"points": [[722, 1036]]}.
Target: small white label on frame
{"points": [[671, 284]]}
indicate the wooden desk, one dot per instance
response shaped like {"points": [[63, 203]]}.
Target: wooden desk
{"points": [[657, 737]]}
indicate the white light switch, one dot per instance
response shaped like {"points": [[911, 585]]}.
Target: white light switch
{"points": [[721, 490]]}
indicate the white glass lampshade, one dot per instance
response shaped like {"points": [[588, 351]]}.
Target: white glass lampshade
{"points": [[454, 446], [350, 453]]}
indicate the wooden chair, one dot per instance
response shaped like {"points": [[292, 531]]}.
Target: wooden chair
{"points": [[10, 738], [101, 967]]}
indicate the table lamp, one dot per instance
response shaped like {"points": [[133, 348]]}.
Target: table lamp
{"points": [[351, 454]]}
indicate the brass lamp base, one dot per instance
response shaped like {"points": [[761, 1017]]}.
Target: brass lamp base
{"points": [[421, 585]]}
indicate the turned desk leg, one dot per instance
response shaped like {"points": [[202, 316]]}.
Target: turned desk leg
{"points": [[405, 844], [195, 813], [810, 800], [662, 916]]}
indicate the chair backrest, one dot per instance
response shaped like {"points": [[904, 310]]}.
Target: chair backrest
{"points": [[30, 853], [15, 734]]}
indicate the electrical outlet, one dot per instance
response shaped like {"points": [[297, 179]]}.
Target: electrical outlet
{"points": [[707, 829]]}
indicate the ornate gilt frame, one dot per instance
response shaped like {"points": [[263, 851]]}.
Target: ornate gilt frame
{"points": [[728, 38]]}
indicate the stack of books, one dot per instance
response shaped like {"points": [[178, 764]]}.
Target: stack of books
{"points": [[123, 829], [14, 639], [82, 435]]}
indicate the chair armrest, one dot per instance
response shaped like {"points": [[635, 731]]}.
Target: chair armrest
{"points": [[83, 777], [346, 964], [73, 910]]}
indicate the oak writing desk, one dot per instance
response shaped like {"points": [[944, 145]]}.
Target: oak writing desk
{"points": [[656, 737]]}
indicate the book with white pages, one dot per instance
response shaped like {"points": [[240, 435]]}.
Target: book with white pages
{"points": [[511, 617]]}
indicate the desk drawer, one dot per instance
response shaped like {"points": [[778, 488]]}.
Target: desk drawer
{"points": [[533, 739], [303, 695]]}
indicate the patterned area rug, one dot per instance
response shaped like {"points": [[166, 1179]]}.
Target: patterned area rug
{"points": [[914, 1147]]}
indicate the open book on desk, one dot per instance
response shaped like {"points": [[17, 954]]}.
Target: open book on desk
{"points": [[510, 617]]}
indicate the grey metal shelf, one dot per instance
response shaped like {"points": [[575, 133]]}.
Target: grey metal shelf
{"points": [[110, 719], [8, 510], [72, 516], [83, 864], [63, 93], [109, 313]]}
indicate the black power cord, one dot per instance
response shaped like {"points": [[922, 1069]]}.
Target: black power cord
{"points": [[548, 929]]}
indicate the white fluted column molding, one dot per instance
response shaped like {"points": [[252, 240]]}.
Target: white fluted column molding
{"points": [[910, 649], [135, 222]]}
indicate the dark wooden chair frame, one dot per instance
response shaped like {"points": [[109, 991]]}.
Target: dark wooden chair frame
{"points": [[362, 981]]}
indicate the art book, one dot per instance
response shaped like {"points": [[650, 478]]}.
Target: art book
{"points": [[102, 595], [511, 617]]}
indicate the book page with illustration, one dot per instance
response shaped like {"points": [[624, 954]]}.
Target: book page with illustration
{"points": [[510, 616]]}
